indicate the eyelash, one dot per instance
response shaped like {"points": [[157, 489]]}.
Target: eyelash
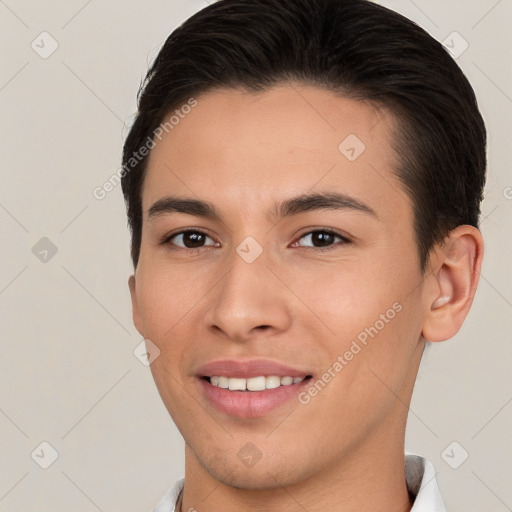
{"points": [[167, 240]]}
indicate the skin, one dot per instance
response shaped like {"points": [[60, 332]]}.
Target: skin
{"points": [[296, 303]]}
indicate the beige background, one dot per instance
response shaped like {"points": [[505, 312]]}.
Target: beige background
{"points": [[68, 375]]}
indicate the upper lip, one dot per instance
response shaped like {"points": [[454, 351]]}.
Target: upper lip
{"points": [[247, 368]]}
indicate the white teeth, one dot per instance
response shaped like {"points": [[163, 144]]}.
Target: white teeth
{"points": [[254, 383], [223, 382], [272, 382], [237, 384]]}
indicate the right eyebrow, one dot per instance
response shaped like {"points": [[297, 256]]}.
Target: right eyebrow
{"points": [[173, 204]]}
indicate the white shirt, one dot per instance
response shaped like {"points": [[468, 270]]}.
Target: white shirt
{"points": [[419, 475]]}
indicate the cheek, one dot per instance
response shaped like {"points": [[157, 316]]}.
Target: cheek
{"points": [[397, 340], [345, 298], [167, 299], [371, 311]]}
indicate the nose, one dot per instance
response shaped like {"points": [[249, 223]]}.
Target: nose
{"points": [[249, 299]]}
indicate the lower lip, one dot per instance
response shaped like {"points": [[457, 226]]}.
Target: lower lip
{"points": [[250, 404]]}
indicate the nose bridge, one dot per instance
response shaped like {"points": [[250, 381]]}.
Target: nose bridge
{"points": [[248, 296]]}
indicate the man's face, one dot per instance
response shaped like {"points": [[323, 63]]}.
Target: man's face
{"points": [[334, 293]]}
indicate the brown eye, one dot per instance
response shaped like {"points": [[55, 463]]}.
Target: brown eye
{"points": [[322, 238], [188, 239]]}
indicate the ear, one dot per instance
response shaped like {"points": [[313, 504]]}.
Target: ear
{"points": [[454, 274], [135, 308]]}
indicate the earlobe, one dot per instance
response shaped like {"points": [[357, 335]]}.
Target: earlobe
{"points": [[135, 308], [454, 277]]}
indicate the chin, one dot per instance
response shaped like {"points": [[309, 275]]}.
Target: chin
{"points": [[266, 473], [255, 480]]}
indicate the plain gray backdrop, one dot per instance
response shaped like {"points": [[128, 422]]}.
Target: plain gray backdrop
{"points": [[69, 377]]}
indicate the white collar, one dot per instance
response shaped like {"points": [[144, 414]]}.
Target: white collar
{"points": [[421, 483], [419, 474]]}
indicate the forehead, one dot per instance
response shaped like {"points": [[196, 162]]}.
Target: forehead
{"points": [[245, 149]]}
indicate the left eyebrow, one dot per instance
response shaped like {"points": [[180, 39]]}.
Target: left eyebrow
{"points": [[322, 201], [293, 206]]}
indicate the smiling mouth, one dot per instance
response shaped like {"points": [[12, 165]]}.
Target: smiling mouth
{"points": [[260, 383]]}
